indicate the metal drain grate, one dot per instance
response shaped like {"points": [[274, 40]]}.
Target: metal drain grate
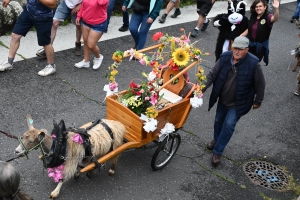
{"points": [[266, 175]]}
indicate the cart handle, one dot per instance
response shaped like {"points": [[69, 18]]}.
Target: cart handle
{"points": [[179, 74]]}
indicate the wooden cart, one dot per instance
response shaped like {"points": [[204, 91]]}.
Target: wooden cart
{"points": [[137, 137]]}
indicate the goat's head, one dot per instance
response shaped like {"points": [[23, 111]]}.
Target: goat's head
{"points": [[31, 138]]}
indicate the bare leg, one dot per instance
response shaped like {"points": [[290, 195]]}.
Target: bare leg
{"points": [[54, 30], [14, 45], [85, 34], [78, 33], [170, 6], [93, 38], [50, 53], [201, 19]]}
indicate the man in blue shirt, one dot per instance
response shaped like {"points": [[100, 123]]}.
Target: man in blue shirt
{"points": [[37, 13]]}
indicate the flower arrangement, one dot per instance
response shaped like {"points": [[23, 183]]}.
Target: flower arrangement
{"points": [[143, 96]]}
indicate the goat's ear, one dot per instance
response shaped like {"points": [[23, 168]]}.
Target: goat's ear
{"points": [[29, 122], [41, 136]]}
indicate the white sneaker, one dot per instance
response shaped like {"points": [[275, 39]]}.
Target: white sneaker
{"points": [[5, 66], [97, 62], [82, 64], [49, 69]]}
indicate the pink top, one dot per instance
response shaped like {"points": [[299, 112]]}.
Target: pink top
{"points": [[93, 11]]}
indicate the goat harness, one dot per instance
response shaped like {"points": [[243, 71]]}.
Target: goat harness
{"points": [[58, 152]]}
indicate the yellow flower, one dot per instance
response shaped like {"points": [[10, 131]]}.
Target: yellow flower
{"points": [[180, 57], [151, 112], [114, 72]]}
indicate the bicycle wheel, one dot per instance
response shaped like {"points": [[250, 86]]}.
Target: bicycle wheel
{"points": [[165, 151]]}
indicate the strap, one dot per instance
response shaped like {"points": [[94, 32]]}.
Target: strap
{"points": [[110, 133]]}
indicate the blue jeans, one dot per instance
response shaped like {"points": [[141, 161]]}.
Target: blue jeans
{"points": [[139, 35], [224, 126], [110, 7], [297, 12]]}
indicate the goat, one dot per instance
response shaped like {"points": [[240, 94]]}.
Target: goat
{"points": [[100, 139]]}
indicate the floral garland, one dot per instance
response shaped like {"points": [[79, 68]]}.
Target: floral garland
{"points": [[143, 97]]}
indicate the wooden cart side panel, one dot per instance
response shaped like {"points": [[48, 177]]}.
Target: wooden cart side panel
{"points": [[116, 111]]}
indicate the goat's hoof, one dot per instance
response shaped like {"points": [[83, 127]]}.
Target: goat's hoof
{"points": [[76, 175], [111, 172], [89, 174]]}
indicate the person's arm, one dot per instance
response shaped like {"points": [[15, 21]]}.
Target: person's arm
{"points": [[245, 33], [155, 11], [5, 3], [49, 3], [76, 9], [275, 16], [211, 76], [259, 87]]}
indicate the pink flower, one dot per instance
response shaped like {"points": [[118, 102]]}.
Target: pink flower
{"points": [[142, 61], [53, 136], [142, 91], [147, 98], [56, 173], [77, 138], [154, 98], [113, 86]]}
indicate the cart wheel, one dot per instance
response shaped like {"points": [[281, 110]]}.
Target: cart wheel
{"points": [[165, 151]]}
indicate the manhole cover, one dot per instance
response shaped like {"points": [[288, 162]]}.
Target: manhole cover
{"points": [[266, 175]]}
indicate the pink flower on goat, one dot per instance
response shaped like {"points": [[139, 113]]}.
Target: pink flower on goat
{"points": [[77, 138], [56, 173]]}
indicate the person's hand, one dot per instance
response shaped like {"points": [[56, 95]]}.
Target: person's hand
{"points": [[149, 20], [5, 3], [255, 106], [275, 4], [76, 9], [124, 8]]}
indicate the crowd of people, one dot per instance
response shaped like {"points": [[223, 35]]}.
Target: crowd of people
{"points": [[237, 76]]}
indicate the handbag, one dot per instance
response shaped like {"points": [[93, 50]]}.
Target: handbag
{"points": [[138, 8]]}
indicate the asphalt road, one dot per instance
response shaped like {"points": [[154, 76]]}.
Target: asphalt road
{"points": [[270, 133]]}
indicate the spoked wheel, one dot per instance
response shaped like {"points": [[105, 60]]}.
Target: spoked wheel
{"points": [[165, 151]]}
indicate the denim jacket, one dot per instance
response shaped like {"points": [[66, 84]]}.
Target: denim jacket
{"points": [[155, 7]]}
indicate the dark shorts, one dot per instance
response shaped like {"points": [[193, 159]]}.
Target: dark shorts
{"points": [[99, 28], [204, 6], [42, 26]]}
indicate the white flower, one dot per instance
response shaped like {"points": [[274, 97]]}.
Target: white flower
{"points": [[151, 76], [169, 128], [196, 102], [108, 91], [150, 124]]}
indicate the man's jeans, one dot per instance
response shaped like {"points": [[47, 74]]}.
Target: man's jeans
{"points": [[297, 12], [110, 7], [139, 35], [224, 126]]}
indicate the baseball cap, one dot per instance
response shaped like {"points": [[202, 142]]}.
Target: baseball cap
{"points": [[240, 42]]}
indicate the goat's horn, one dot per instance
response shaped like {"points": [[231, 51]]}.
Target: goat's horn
{"points": [[238, 5]]}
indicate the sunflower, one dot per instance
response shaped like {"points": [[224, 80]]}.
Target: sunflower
{"points": [[181, 57]]}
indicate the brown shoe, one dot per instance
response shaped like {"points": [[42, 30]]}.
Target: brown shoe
{"points": [[216, 160], [77, 49], [211, 145]]}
